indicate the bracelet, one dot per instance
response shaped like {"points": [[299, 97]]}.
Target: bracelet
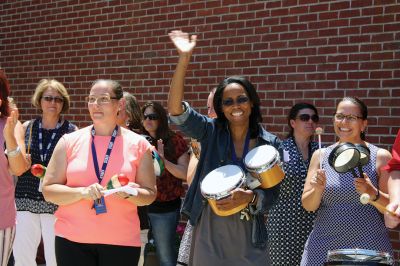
{"points": [[378, 194], [13, 153]]}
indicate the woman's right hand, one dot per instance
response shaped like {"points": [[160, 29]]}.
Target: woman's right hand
{"points": [[92, 192], [318, 181], [182, 42]]}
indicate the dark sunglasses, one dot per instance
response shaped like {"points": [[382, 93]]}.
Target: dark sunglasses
{"points": [[53, 98], [150, 116], [239, 100], [307, 117]]}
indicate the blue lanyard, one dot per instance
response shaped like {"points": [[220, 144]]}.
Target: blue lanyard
{"points": [[43, 156], [108, 153], [245, 151]]}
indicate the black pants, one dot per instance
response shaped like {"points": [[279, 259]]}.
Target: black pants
{"points": [[70, 253]]}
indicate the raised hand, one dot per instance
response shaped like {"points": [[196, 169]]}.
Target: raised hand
{"points": [[9, 128], [182, 42], [160, 148]]}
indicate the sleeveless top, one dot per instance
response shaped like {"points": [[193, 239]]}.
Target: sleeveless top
{"points": [[7, 205], [27, 196], [342, 222]]}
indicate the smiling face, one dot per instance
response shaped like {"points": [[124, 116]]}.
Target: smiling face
{"points": [[236, 104], [348, 130], [302, 126], [102, 111], [51, 102]]}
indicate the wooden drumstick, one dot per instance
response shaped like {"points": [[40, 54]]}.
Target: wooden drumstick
{"points": [[365, 199], [319, 132]]}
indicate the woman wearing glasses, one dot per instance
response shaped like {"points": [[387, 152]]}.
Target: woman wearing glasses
{"points": [[342, 222], [12, 161], [164, 211], [92, 229], [288, 223], [35, 216], [223, 240]]}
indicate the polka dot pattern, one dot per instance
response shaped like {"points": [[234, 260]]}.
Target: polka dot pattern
{"points": [[288, 223], [27, 196], [342, 222]]}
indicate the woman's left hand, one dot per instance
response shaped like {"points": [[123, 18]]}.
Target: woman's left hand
{"points": [[364, 185], [238, 197], [9, 128], [160, 148]]}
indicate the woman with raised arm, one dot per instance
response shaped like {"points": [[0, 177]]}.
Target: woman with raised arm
{"points": [[93, 227], [35, 216], [342, 221], [12, 162], [223, 240]]}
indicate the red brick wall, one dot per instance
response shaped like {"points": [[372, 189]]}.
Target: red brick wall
{"points": [[293, 50]]}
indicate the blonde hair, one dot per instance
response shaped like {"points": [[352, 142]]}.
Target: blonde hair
{"points": [[43, 85]]}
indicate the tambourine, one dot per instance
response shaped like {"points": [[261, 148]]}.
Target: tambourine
{"points": [[347, 156]]}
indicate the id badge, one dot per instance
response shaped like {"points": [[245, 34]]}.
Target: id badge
{"points": [[100, 206]]}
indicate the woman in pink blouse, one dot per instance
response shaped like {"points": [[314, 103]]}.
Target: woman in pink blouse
{"points": [[14, 161], [93, 229]]}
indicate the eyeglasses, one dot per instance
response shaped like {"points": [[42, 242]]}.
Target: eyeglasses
{"points": [[56, 99], [307, 117], [239, 100], [100, 100], [350, 118], [150, 116]]}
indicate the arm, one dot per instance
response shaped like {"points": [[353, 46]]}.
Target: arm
{"points": [[54, 188], [185, 48], [314, 185], [191, 168], [14, 137], [146, 179], [394, 195], [178, 170]]}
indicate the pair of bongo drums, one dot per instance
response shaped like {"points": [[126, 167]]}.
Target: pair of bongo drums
{"points": [[363, 257], [263, 164]]}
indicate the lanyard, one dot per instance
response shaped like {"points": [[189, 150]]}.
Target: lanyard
{"points": [[43, 155], [245, 150], [108, 153]]}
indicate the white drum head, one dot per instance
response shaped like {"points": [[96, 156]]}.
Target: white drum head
{"points": [[219, 182], [261, 156]]}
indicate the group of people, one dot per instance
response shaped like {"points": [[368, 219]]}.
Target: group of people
{"points": [[314, 210]]}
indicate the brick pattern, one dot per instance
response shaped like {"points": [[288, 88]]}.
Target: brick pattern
{"points": [[293, 50]]}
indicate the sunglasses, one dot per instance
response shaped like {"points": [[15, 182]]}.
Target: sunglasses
{"points": [[150, 116], [307, 117], [56, 99], [239, 100]]}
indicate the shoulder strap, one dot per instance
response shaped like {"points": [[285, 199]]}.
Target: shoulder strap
{"points": [[30, 125]]}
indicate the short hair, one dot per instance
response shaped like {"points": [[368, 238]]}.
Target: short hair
{"points": [[255, 116], [43, 85], [294, 111], [4, 93]]}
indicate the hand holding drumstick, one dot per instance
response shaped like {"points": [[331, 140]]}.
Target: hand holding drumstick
{"points": [[365, 199]]}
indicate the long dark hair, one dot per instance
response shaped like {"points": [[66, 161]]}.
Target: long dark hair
{"points": [[363, 109], [4, 93], [255, 116], [163, 131], [294, 111]]}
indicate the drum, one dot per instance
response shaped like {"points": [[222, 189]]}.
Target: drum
{"points": [[158, 163], [263, 163], [219, 183], [358, 257]]}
